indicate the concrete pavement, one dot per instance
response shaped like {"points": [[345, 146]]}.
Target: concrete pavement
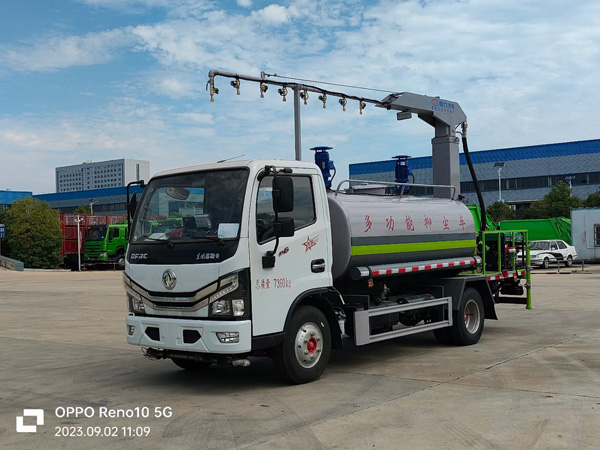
{"points": [[532, 382]]}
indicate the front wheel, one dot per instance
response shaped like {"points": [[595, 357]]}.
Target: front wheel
{"points": [[121, 261], [546, 263], [468, 319], [305, 350]]}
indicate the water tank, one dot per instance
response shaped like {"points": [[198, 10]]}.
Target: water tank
{"points": [[369, 230]]}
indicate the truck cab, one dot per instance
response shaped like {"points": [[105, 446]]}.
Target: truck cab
{"points": [[105, 244], [203, 287]]}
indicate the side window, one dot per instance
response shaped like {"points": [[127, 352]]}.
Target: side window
{"points": [[562, 245], [597, 235], [553, 246], [113, 233], [304, 206]]}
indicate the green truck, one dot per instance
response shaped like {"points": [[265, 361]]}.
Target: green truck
{"points": [[105, 244], [541, 229]]}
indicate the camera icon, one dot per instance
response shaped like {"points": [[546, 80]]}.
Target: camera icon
{"points": [[39, 420]]}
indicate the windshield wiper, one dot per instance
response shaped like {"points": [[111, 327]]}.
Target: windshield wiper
{"points": [[166, 240], [211, 239]]}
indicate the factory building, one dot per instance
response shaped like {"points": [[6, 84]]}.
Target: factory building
{"points": [[99, 175], [517, 176]]}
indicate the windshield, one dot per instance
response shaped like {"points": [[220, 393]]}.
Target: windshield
{"points": [[95, 233], [193, 206], [538, 245]]}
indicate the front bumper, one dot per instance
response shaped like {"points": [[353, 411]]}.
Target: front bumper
{"points": [[170, 334]]}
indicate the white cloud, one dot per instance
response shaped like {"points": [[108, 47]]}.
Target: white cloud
{"points": [[60, 52], [272, 14], [244, 3]]}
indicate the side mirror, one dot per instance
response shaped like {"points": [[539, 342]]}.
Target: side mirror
{"points": [[283, 194], [132, 205], [284, 227]]}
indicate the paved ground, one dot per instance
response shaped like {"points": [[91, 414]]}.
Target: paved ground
{"points": [[532, 382]]}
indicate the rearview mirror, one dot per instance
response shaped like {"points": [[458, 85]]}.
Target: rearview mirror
{"points": [[283, 194], [284, 227], [178, 193], [132, 205]]}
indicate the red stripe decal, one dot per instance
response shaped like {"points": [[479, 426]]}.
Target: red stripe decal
{"points": [[375, 273], [401, 270], [388, 272], [450, 264], [428, 266], [415, 269]]}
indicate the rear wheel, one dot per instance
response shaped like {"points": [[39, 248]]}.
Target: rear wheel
{"points": [[468, 319], [306, 347], [189, 364], [569, 261]]}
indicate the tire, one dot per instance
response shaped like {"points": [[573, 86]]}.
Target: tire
{"points": [[546, 263], [121, 261], [468, 320], [306, 347], [189, 364], [569, 262]]}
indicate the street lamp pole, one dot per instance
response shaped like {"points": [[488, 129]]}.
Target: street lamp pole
{"points": [[78, 220], [500, 166]]}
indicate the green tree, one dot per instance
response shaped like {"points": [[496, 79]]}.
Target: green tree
{"points": [[83, 209], [593, 200], [556, 203], [500, 211], [33, 233]]}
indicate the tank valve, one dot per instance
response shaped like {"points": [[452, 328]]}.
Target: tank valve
{"points": [[283, 92], [236, 85], [323, 98], [343, 103], [361, 106], [263, 89]]}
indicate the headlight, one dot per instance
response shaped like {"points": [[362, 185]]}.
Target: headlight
{"points": [[221, 308], [232, 296], [136, 304]]}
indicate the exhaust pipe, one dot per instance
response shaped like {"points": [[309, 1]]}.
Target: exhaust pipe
{"points": [[240, 362]]}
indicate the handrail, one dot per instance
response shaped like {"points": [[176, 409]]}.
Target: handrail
{"points": [[390, 183], [513, 234]]}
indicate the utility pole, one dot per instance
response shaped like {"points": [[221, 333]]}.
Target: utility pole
{"points": [[78, 220]]}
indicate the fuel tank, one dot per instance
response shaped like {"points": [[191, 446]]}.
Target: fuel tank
{"points": [[370, 230]]}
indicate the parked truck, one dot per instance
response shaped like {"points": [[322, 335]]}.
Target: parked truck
{"points": [[72, 224], [271, 260], [106, 244]]}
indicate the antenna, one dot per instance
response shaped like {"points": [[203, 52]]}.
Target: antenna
{"points": [[229, 159]]}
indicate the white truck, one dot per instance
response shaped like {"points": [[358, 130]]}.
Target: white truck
{"points": [[266, 259]]}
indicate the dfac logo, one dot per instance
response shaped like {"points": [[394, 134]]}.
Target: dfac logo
{"points": [[169, 279], [39, 420]]}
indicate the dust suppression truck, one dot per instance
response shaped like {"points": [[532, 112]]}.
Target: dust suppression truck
{"points": [[268, 259]]}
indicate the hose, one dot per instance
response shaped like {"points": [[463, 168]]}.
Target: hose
{"points": [[474, 178]]}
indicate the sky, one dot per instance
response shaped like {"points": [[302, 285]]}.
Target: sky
{"points": [[109, 79]]}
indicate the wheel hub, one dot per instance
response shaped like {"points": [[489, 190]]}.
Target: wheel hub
{"points": [[472, 316], [309, 344]]}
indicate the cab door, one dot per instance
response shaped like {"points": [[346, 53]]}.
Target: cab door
{"points": [[302, 261]]}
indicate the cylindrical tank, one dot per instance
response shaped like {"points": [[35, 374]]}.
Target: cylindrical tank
{"points": [[371, 230]]}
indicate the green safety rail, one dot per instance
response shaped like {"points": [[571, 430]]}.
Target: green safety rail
{"points": [[515, 236]]}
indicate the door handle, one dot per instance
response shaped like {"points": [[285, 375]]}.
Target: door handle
{"points": [[317, 265]]}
